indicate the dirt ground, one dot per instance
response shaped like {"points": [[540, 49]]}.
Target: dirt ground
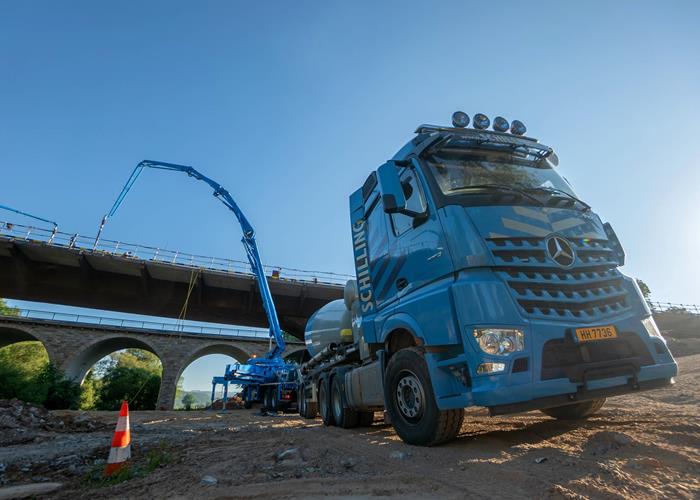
{"points": [[640, 446]]}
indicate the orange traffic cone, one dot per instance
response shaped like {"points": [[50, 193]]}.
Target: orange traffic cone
{"points": [[121, 443]]}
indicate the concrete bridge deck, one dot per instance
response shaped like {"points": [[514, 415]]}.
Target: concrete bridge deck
{"points": [[60, 268]]}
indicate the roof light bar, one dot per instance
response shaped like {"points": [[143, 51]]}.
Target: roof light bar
{"points": [[481, 122]]}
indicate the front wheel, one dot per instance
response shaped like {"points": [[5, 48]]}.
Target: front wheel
{"points": [[411, 404], [575, 411]]}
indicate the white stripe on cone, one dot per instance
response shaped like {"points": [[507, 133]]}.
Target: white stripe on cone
{"points": [[117, 455], [122, 424]]}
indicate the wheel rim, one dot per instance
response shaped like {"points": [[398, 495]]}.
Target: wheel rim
{"points": [[410, 397]]}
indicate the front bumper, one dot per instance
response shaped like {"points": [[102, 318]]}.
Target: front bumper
{"points": [[529, 382], [579, 396]]}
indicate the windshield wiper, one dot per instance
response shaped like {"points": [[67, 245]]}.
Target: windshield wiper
{"points": [[506, 187], [563, 194]]}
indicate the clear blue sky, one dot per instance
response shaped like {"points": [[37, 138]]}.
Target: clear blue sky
{"points": [[291, 104]]}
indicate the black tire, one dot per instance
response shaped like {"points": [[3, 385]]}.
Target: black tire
{"points": [[365, 418], [267, 399], [409, 398], [274, 399], [302, 404], [324, 403], [342, 415], [306, 409], [576, 411], [247, 404]]}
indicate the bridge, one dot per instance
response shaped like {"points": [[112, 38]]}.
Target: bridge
{"points": [[44, 265], [74, 343]]}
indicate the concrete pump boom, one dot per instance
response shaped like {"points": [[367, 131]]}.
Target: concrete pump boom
{"points": [[248, 243], [10, 209]]}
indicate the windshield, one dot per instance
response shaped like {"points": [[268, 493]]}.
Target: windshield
{"points": [[457, 171]]}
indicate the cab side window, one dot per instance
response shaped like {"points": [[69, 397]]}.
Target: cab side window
{"points": [[414, 201]]}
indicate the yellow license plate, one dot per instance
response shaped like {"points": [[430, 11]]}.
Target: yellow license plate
{"points": [[596, 333]]}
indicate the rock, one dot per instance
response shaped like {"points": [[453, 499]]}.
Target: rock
{"points": [[398, 455], [539, 460], [29, 490], [290, 454], [209, 481], [348, 463]]}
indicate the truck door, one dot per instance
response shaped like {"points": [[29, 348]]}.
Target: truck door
{"points": [[420, 244]]}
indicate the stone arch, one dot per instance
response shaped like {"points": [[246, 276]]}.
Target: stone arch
{"points": [[172, 374], [226, 349], [12, 334], [78, 365]]}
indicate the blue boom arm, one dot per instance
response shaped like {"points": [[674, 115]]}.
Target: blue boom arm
{"points": [[10, 209], [248, 241]]}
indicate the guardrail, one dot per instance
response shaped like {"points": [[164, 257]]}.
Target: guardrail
{"points": [[153, 254], [670, 307], [132, 324]]}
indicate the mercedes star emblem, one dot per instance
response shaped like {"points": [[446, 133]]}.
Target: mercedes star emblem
{"points": [[561, 251]]}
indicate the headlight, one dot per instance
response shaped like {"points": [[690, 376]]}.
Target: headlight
{"points": [[651, 328], [500, 340]]}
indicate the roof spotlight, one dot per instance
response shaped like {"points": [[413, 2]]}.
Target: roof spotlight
{"points": [[500, 124], [460, 119], [481, 121], [517, 128]]}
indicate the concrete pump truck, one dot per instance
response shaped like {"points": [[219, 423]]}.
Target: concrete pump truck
{"points": [[269, 379], [481, 280]]}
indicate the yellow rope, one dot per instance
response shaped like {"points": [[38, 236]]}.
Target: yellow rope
{"points": [[183, 312]]}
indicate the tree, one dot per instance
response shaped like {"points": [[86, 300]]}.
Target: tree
{"points": [[188, 400], [20, 366], [61, 393], [644, 288], [133, 375], [90, 394], [6, 310]]}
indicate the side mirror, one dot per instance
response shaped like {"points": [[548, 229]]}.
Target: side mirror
{"points": [[393, 196]]}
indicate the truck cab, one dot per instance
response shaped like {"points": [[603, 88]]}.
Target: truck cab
{"points": [[482, 279]]}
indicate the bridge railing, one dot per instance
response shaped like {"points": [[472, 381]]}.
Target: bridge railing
{"points": [[137, 324], [86, 243], [670, 307]]}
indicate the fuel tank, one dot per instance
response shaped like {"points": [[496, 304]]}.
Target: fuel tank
{"points": [[332, 324]]}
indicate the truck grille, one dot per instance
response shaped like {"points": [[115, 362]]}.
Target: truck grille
{"points": [[592, 288]]}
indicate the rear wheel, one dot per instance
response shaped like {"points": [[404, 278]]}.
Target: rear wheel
{"points": [[307, 409], [267, 399], [342, 415], [274, 399], [411, 403], [247, 404], [575, 411], [324, 404]]}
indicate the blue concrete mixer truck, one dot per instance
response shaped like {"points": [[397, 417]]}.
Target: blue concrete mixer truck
{"points": [[482, 279]]}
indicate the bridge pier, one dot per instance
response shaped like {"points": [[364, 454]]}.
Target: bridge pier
{"points": [[168, 388]]}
